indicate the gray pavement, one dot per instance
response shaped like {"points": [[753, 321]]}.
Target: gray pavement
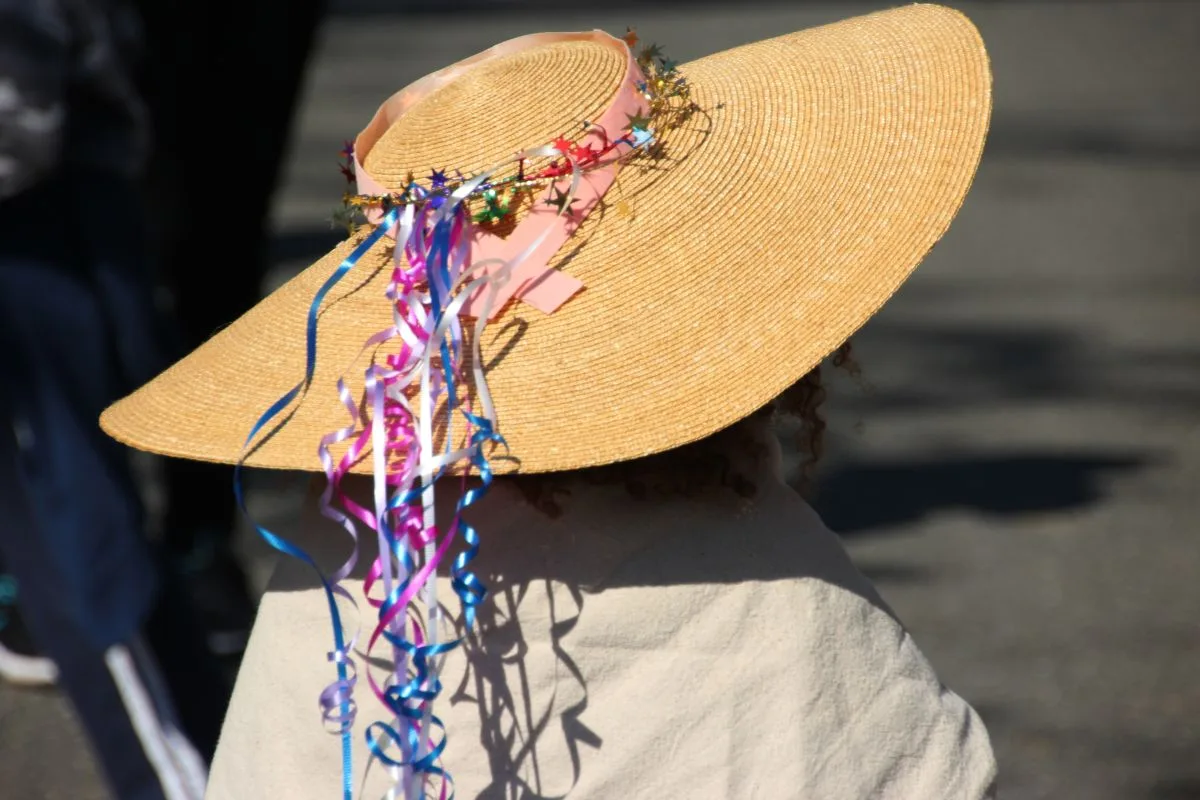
{"points": [[1020, 477]]}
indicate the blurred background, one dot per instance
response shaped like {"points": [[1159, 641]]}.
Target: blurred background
{"points": [[1019, 469]]}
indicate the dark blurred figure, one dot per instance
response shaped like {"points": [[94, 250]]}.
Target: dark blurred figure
{"points": [[77, 331], [222, 79]]}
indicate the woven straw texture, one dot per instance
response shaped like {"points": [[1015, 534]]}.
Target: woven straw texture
{"points": [[827, 163]]}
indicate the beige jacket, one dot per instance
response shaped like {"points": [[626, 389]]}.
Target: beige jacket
{"points": [[693, 649]]}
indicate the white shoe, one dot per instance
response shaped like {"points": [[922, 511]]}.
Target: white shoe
{"points": [[23, 670], [20, 661]]}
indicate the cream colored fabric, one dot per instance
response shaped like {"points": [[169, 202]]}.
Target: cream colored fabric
{"points": [[695, 649]]}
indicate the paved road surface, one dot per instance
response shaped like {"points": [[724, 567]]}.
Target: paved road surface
{"points": [[1021, 477]]}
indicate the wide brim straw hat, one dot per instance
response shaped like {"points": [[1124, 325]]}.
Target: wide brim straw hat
{"points": [[821, 169]]}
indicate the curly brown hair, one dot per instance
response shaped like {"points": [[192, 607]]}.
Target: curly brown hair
{"points": [[700, 467]]}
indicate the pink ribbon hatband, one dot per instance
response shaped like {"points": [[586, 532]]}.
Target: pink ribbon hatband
{"points": [[532, 281]]}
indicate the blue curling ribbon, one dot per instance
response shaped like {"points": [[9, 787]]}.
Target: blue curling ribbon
{"points": [[339, 655], [408, 700], [470, 590], [467, 586], [438, 270]]}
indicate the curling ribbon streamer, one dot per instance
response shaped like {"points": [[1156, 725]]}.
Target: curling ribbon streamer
{"points": [[411, 701], [437, 241], [441, 256]]}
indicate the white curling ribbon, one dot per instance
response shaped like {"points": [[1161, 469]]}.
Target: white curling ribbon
{"points": [[379, 455]]}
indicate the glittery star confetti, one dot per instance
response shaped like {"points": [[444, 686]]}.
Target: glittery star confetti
{"points": [[651, 51], [494, 209], [637, 121], [582, 154]]}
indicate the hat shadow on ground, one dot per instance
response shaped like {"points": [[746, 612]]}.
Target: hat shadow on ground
{"points": [[864, 497]]}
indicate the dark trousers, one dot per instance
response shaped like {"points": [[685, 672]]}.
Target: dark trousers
{"points": [[222, 80], [76, 333]]}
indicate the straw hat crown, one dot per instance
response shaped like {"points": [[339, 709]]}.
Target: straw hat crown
{"points": [[506, 104]]}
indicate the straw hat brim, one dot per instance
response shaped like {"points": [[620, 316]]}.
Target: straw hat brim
{"points": [[827, 165]]}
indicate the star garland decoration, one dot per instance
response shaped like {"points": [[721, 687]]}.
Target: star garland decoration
{"points": [[668, 97]]}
